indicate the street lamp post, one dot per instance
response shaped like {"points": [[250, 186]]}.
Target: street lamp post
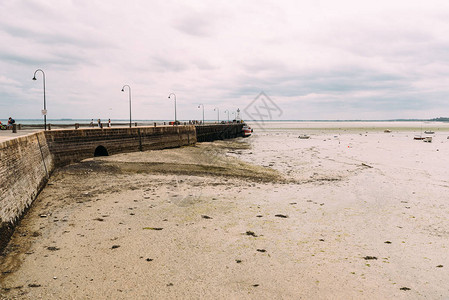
{"points": [[227, 111], [44, 112], [129, 90], [203, 111], [218, 114], [174, 95]]}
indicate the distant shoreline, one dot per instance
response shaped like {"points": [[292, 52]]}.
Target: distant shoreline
{"points": [[64, 121]]}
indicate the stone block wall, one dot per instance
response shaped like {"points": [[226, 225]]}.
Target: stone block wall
{"points": [[153, 138], [69, 146], [209, 133], [25, 164]]}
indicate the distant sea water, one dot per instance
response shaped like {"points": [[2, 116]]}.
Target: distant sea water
{"points": [[387, 124], [81, 121], [259, 125], [84, 121]]}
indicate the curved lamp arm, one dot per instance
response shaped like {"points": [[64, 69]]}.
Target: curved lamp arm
{"points": [[129, 90]]}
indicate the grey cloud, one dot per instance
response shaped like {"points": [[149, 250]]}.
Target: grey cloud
{"points": [[58, 58], [269, 65], [26, 60], [167, 64], [196, 24], [37, 60], [82, 39], [299, 83], [203, 64], [389, 38], [174, 64]]}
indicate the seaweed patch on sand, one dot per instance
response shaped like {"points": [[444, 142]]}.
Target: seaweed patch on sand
{"points": [[204, 159]]}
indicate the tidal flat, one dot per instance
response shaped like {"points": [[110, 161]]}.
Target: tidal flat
{"points": [[356, 213]]}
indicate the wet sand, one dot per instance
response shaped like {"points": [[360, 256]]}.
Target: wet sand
{"points": [[343, 215]]}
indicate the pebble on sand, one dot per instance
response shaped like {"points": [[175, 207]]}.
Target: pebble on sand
{"points": [[281, 216], [370, 257], [251, 233]]}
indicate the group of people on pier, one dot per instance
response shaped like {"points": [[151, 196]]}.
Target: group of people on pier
{"points": [[9, 125], [99, 124]]}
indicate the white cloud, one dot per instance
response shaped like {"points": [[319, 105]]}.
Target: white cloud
{"points": [[318, 59]]}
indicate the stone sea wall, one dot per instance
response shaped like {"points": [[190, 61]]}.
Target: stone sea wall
{"points": [[69, 146], [209, 133], [25, 165]]}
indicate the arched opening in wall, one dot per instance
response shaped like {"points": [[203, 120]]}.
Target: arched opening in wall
{"points": [[101, 151]]}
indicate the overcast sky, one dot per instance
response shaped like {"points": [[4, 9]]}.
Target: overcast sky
{"points": [[314, 59]]}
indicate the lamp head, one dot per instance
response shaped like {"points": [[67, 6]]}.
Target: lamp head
{"points": [[34, 78], [123, 90]]}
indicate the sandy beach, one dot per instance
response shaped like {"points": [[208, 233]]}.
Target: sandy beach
{"points": [[351, 213]]}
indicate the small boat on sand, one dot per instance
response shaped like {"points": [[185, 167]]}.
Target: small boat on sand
{"points": [[418, 137], [428, 139], [387, 130], [429, 132], [304, 136], [246, 131]]}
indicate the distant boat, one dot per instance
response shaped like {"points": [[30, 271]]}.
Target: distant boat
{"points": [[429, 132], [387, 130], [428, 139], [419, 137], [304, 136]]}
